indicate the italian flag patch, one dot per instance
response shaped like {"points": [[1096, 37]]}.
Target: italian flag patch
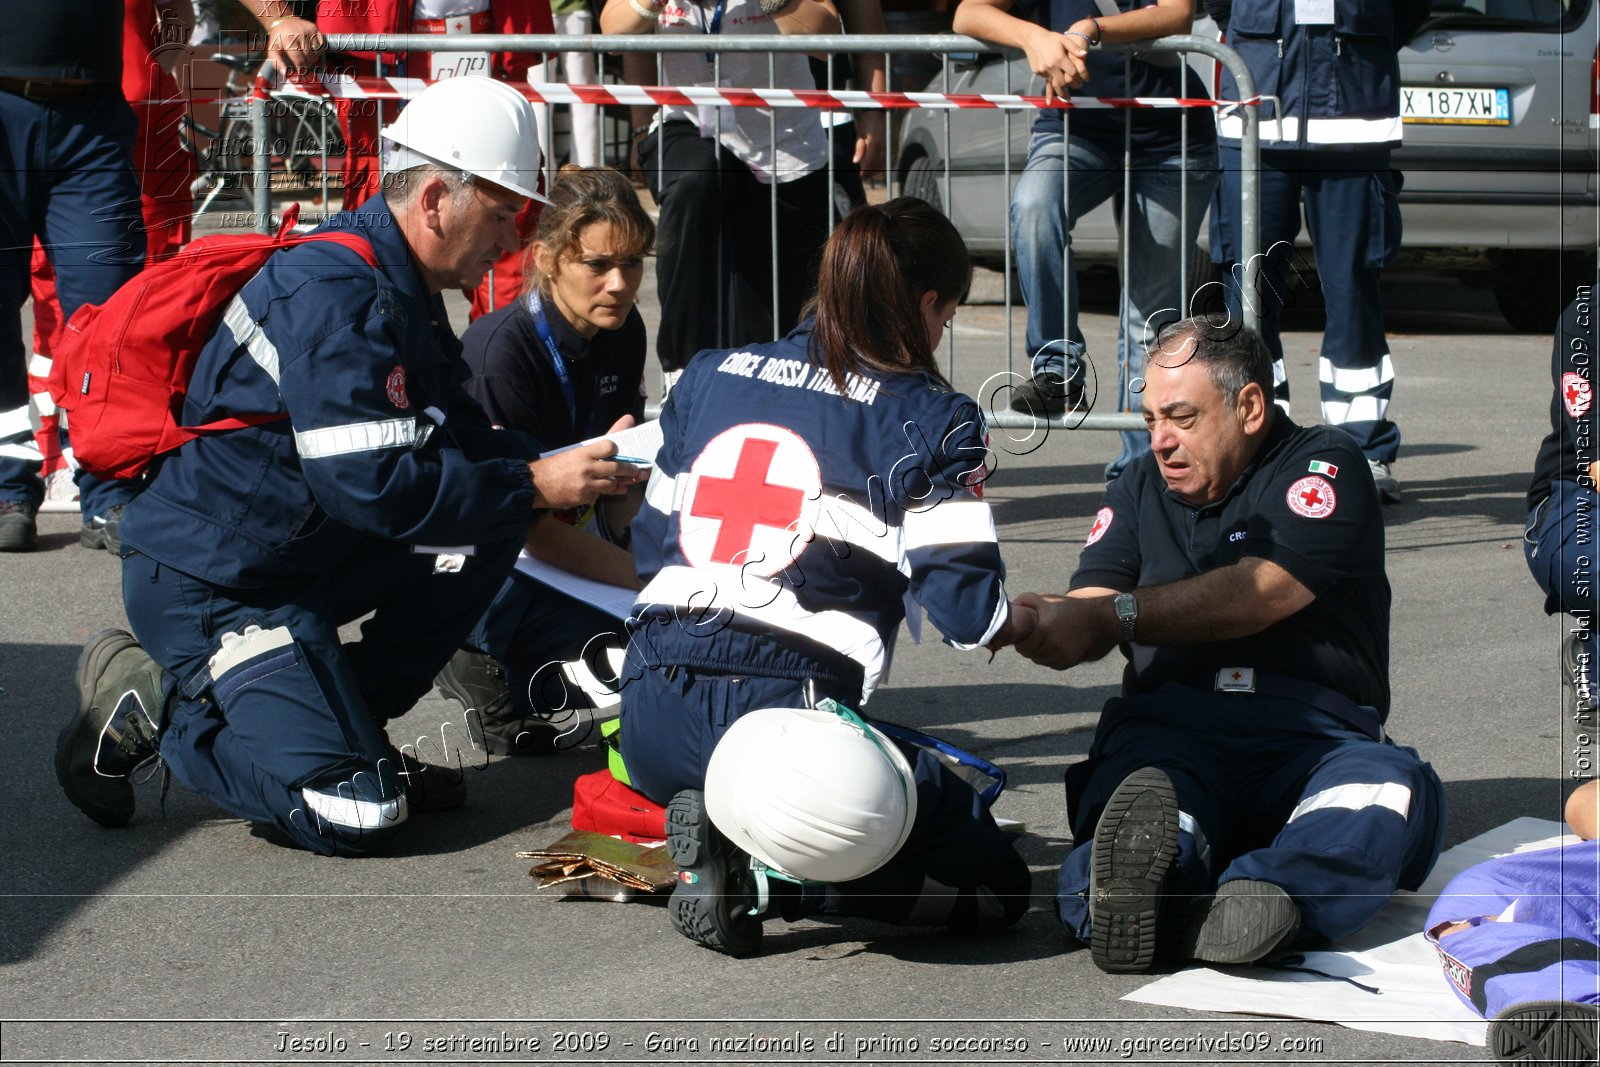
{"points": [[1319, 467]]}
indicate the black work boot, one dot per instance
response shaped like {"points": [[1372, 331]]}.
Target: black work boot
{"points": [[711, 902], [1242, 922], [104, 531], [1135, 845], [495, 720], [19, 530], [115, 729]]}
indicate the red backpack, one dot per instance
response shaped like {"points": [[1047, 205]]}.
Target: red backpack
{"points": [[122, 368]]}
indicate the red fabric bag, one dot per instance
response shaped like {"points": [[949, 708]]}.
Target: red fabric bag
{"points": [[604, 805], [122, 368]]}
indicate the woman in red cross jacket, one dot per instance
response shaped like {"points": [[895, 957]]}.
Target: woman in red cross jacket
{"points": [[806, 490]]}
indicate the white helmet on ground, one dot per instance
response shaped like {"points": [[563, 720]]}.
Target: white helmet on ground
{"points": [[473, 124], [811, 793]]}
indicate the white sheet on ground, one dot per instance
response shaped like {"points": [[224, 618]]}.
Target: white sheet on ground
{"points": [[1408, 992]]}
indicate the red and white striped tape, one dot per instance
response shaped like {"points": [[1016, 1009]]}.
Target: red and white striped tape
{"points": [[371, 88]]}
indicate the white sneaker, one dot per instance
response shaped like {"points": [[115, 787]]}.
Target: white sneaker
{"points": [[669, 378], [60, 493], [1388, 485]]}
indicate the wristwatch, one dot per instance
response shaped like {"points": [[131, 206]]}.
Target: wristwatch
{"points": [[1126, 605]]}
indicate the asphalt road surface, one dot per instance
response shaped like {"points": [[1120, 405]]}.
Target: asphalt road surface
{"points": [[185, 939]]}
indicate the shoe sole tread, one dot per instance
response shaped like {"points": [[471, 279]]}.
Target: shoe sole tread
{"points": [[1530, 1033], [1245, 924], [692, 907], [1126, 901]]}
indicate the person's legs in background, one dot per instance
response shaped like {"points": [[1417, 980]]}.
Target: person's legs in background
{"points": [[693, 184], [1353, 214], [81, 199], [1169, 198], [1056, 189], [1281, 268]]}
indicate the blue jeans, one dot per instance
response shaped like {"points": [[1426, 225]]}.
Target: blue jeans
{"points": [[1156, 242]]}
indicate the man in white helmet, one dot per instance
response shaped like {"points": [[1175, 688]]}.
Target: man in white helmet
{"points": [[381, 489]]}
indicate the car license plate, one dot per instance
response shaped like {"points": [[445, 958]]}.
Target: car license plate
{"points": [[1466, 107]]}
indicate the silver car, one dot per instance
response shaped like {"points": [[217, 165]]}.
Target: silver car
{"points": [[1502, 121]]}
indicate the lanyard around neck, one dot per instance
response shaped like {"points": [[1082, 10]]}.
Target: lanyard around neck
{"points": [[714, 27], [557, 363]]}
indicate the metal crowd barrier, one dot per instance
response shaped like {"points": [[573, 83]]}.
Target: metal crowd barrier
{"points": [[942, 45]]}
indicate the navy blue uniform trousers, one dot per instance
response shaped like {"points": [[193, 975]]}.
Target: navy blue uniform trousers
{"points": [[531, 629], [67, 178], [1353, 214], [314, 714], [956, 868], [1275, 791]]}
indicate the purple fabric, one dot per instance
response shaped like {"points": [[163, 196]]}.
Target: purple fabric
{"points": [[1550, 947]]}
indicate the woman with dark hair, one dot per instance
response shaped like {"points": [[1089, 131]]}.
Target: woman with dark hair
{"points": [[564, 363], [804, 489]]}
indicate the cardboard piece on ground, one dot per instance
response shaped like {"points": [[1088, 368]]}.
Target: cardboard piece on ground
{"points": [[1402, 987], [583, 853]]}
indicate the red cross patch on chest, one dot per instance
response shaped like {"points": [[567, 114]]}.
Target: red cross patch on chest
{"points": [[1311, 497], [753, 502]]}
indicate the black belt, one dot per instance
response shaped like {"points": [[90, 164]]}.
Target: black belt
{"points": [[45, 90], [1357, 716]]}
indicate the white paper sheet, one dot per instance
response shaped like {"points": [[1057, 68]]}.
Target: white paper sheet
{"points": [[612, 599]]}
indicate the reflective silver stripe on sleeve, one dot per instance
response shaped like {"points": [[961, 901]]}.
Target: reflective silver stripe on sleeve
{"points": [[248, 333], [356, 437]]}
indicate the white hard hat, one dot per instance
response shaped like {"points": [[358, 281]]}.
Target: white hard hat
{"points": [[811, 794], [473, 124]]}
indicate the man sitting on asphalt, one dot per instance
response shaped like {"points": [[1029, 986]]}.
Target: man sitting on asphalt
{"points": [[248, 549], [1240, 794]]}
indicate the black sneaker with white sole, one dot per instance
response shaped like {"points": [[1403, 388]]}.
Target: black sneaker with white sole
{"points": [[1547, 1033], [715, 892], [1135, 845], [115, 730]]}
